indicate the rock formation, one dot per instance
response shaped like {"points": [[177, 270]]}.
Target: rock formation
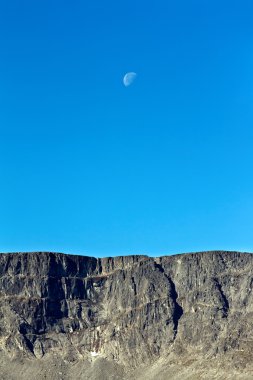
{"points": [[126, 317]]}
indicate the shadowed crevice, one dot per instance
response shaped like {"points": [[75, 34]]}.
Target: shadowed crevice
{"points": [[225, 303], [178, 310]]}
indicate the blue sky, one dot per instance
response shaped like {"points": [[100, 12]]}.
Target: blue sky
{"points": [[89, 166]]}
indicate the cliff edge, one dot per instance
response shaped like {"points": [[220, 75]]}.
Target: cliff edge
{"points": [[126, 317]]}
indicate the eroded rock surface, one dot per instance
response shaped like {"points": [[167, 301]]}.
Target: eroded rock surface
{"points": [[131, 312]]}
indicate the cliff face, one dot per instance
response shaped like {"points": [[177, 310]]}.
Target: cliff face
{"points": [[129, 310]]}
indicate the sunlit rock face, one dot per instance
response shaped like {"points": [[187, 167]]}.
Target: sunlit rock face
{"points": [[129, 310]]}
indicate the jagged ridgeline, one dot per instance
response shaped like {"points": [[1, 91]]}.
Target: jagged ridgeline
{"points": [[133, 310]]}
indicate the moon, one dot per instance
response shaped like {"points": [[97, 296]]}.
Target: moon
{"points": [[129, 78]]}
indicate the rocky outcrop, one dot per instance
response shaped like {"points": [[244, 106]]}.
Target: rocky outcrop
{"points": [[130, 310]]}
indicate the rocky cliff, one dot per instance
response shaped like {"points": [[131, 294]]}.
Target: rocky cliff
{"points": [[133, 316]]}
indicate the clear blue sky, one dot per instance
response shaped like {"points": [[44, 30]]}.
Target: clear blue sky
{"points": [[90, 166]]}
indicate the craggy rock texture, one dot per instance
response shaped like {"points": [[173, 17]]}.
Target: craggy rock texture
{"points": [[183, 316]]}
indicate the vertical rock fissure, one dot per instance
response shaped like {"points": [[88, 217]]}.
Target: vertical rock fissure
{"points": [[223, 297], [134, 286], [178, 310]]}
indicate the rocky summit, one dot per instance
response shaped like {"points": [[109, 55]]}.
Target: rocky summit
{"points": [[186, 316]]}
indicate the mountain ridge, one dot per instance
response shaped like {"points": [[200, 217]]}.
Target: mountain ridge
{"points": [[127, 311]]}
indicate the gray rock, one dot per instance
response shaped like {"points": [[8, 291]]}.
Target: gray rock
{"points": [[189, 312]]}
